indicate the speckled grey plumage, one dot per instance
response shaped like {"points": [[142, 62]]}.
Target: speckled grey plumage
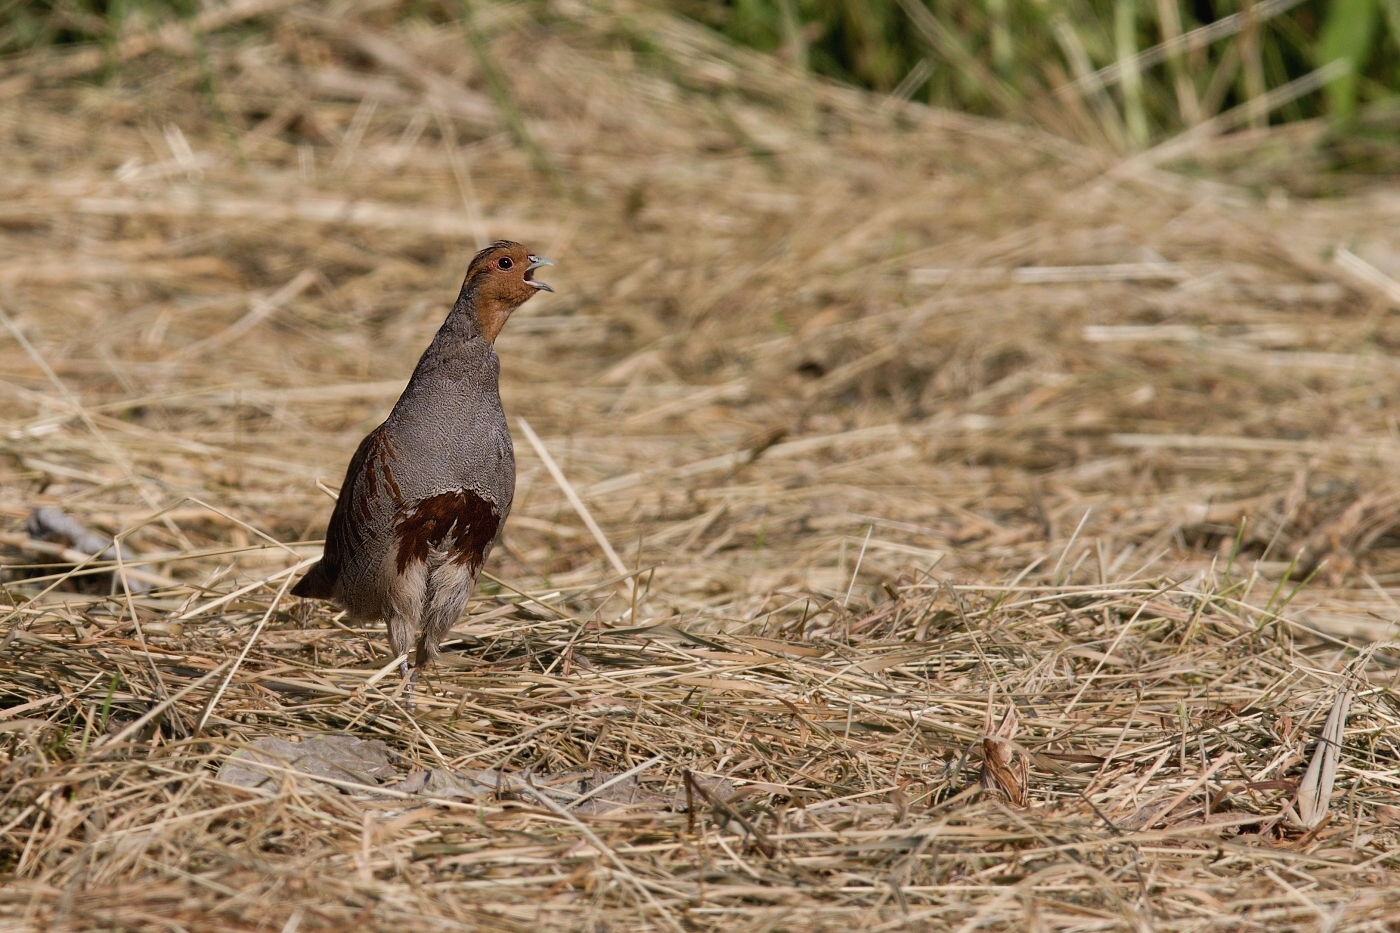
{"points": [[427, 493]]}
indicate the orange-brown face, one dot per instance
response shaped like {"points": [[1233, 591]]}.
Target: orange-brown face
{"points": [[500, 279]]}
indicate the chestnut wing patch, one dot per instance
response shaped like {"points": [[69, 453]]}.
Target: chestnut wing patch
{"points": [[461, 523], [375, 477]]}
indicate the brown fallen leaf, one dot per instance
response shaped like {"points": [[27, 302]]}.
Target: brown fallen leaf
{"points": [[1003, 767]]}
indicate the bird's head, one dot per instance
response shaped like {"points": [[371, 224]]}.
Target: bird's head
{"points": [[500, 279]]}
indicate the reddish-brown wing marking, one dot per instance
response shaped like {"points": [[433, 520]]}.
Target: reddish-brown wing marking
{"points": [[376, 478], [369, 476], [461, 523]]}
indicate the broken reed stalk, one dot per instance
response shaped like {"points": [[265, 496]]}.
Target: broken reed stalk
{"points": [[569, 492]]}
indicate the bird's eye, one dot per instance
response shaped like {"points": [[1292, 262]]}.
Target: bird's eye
{"points": [[504, 263]]}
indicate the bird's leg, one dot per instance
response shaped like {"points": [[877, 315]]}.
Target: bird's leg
{"points": [[410, 679], [400, 641]]}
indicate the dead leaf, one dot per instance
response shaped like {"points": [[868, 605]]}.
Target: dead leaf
{"points": [[1315, 791], [1003, 768], [342, 757]]}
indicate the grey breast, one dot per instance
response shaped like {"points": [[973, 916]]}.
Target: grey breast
{"points": [[456, 470], [451, 431]]}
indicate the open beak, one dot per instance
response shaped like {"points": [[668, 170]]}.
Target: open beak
{"points": [[535, 263]]}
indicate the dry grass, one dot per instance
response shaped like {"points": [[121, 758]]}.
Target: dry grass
{"points": [[891, 528]]}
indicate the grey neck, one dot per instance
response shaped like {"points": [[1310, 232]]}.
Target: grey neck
{"points": [[463, 323]]}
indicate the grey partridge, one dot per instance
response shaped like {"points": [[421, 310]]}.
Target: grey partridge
{"points": [[427, 492]]}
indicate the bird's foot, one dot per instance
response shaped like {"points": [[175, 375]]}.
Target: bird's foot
{"points": [[410, 678]]}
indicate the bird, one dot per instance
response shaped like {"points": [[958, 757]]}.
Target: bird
{"points": [[427, 493]]}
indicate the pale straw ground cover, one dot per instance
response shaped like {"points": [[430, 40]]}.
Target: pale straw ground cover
{"points": [[998, 533]]}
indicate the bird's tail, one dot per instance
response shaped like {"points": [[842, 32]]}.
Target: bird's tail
{"points": [[317, 584]]}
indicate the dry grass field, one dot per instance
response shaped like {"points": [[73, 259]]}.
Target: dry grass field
{"points": [[991, 533]]}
